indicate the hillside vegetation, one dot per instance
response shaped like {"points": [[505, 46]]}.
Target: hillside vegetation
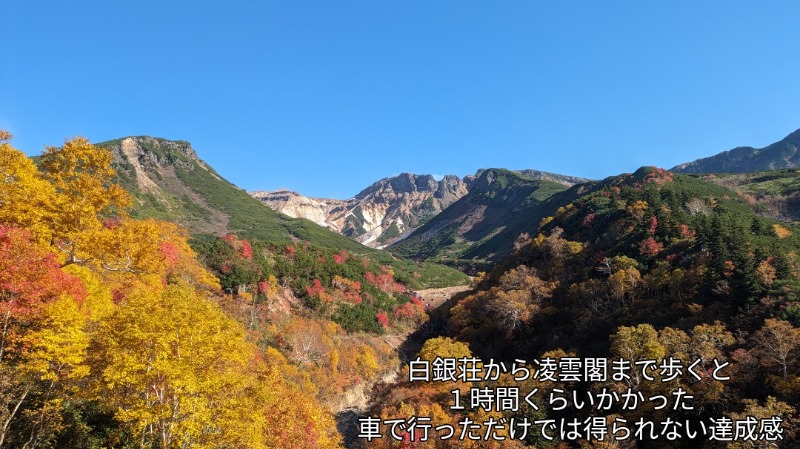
{"points": [[644, 266], [480, 228], [168, 181], [774, 194]]}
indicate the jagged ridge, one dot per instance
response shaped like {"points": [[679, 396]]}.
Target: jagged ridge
{"points": [[390, 209], [378, 215]]}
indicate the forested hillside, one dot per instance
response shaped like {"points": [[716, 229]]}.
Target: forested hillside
{"points": [[648, 266]]}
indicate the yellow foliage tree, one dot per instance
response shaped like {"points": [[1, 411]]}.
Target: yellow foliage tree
{"points": [[709, 340], [444, 347], [637, 209], [781, 231], [289, 415], [636, 343], [146, 252], [622, 284], [25, 197], [170, 365], [81, 175]]}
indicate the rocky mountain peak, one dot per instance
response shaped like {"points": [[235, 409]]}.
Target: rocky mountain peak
{"points": [[392, 208], [404, 183], [154, 151], [381, 214], [156, 172]]}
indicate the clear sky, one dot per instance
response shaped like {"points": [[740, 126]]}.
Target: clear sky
{"points": [[327, 97]]}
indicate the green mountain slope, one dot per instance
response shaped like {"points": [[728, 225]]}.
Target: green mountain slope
{"points": [[774, 194], [482, 226], [170, 182], [780, 155]]}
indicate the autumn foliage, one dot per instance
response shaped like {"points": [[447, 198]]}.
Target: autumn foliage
{"points": [[336, 285], [645, 266], [112, 330]]}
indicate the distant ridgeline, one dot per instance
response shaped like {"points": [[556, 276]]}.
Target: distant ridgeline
{"points": [[480, 227], [780, 155]]}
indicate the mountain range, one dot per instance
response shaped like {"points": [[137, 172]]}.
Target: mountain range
{"points": [[482, 226], [468, 222], [378, 215], [392, 208], [779, 155]]}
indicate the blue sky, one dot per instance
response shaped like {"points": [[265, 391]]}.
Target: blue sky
{"points": [[327, 97]]}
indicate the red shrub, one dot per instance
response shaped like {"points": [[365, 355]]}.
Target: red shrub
{"points": [[383, 320]]}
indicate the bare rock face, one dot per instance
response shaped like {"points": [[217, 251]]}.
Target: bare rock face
{"points": [[379, 215], [296, 205], [153, 170]]}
